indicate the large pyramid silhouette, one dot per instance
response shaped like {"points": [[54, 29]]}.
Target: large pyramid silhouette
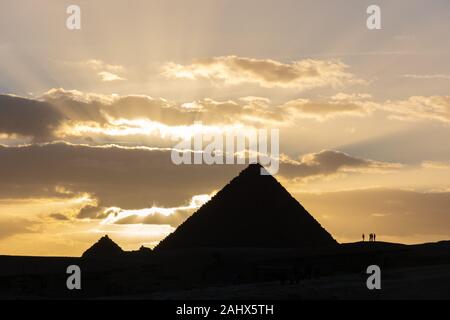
{"points": [[253, 211]]}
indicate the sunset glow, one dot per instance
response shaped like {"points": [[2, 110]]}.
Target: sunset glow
{"points": [[89, 117]]}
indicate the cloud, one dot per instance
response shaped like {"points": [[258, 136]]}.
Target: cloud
{"points": [[137, 177], [65, 114], [438, 165], [130, 178], [99, 65], [233, 70], [105, 71], [90, 211], [420, 108], [60, 113], [380, 215], [337, 106], [162, 216], [174, 219], [330, 162], [427, 76], [58, 216], [95, 114], [99, 108], [108, 76], [78, 117], [61, 95], [28, 117]]}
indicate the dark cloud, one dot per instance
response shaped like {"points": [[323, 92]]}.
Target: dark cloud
{"points": [[95, 212], [135, 178], [58, 216], [328, 162], [36, 190], [29, 118], [90, 212], [122, 177]]}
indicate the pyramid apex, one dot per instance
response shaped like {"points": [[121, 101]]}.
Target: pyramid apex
{"points": [[255, 169]]}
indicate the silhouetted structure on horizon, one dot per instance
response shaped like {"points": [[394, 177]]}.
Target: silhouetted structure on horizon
{"points": [[252, 211], [103, 248]]}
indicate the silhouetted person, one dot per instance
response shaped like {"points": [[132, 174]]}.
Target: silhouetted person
{"points": [[370, 237], [374, 237], [363, 236]]}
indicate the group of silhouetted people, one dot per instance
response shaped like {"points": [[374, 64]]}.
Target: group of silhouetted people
{"points": [[372, 237]]}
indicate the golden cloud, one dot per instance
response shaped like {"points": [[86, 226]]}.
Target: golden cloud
{"points": [[232, 70], [336, 106], [416, 108]]}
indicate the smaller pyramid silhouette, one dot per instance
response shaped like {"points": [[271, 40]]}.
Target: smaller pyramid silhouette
{"points": [[253, 211], [103, 248]]}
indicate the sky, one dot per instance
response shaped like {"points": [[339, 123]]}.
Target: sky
{"points": [[89, 117]]}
